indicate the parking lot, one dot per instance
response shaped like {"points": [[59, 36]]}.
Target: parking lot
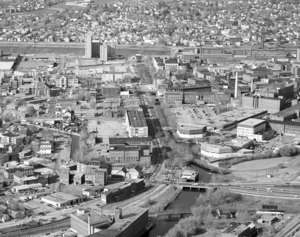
{"points": [[108, 128]]}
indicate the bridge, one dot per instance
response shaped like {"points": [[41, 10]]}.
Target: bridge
{"points": [[186, 186], [171, 214]]}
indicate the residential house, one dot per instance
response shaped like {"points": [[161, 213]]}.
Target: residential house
{"points": [[45, 148], [134, 173], [9, 138]]}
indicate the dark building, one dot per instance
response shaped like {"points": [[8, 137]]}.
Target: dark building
{"points": [[185, 94], [285, 127], [273, 105]]}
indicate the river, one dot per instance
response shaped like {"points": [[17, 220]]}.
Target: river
{"points": [[184, 201]]}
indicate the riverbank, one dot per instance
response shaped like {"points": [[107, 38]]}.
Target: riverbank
{"points": [[184, 201]]}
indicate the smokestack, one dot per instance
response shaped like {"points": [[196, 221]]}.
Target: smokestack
{"points": [[298, 55], [118, 213], [89, 225], [236, 85]]}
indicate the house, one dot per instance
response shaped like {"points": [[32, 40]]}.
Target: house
{"points": [[134, 173], [45, 148], [119, 171], [268, 219], [11, 138], [17, 214]]}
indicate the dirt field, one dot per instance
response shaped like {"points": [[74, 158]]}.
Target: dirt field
{"points": [[108, 128]]}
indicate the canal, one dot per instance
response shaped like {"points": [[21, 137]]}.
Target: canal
{"points": [[184, 201]]}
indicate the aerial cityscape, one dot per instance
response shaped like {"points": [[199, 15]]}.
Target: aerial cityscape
{"points": [[149, 118]]}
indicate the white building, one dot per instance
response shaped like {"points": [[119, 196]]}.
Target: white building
{"points": [[191, 131], [25, 188], [61, 199], [252, 129], [136, 123], [45, 148]]}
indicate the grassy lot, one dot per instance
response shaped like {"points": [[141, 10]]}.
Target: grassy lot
{"points": [[260, 164], [283, 170]]}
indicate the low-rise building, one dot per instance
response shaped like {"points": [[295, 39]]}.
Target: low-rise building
{"points": [[26, 188], [23, 170], [120, 191], [190, 131], [129, 222], [61, 199], [87, 223]]}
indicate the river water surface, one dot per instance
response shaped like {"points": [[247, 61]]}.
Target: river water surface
{"points": [[184, 201]]}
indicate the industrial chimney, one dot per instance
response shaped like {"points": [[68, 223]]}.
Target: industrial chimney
{"points": [[89, 226], [118, 213], [236, 85]]}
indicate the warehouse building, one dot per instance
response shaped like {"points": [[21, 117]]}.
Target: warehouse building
{"points": [[287, 114], [252, 129], [61, 199], [272, 105], [136, 123]]}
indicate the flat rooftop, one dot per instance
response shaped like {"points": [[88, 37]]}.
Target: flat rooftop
{"points": [[252, 122], [121, 184], [125, 140], [60, 197], [129, 215], [136, 118], [95, 218]]}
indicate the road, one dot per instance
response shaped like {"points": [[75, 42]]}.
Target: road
{"points": [[290, 229], [47, 228], [48, 216]]}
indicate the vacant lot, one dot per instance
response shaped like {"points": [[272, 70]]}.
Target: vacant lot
{"points": [[277, 170], [108, 128], [260, 164]]}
